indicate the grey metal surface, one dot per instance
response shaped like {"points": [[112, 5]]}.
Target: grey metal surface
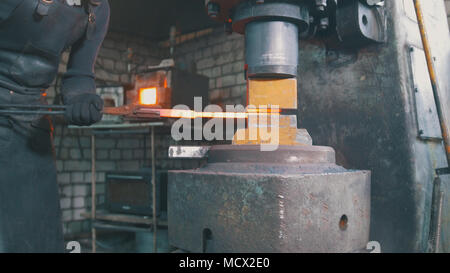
{"points": [[350, 23], [271, 49], [188, 151], [283, 155], [358, 24], [271, 36], [362, 104], [444, 237], [118, 126], [248, 11], [427, 118], [223, 208], [291, 200]]}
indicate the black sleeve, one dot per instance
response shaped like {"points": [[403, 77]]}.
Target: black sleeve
{"points": [[80, 77], [7, 7]]}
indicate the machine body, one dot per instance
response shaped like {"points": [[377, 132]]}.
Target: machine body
{"points": [[376, 108], [294, 198]]}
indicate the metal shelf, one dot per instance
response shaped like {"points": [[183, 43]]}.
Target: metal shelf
{"points": [[119, 221], [124, 218]]}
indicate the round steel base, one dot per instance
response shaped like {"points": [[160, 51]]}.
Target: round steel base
{"points": [[307, 154]]}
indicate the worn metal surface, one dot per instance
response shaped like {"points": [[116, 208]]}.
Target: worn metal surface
{"points": [[283, 155], [271, 45], [292, 200], [434, 83], [285, 11], [426, 113], [271, 49], [361, 103], [358, 24], [444, 237], [188, 151], [350, 23], [269, 207]]}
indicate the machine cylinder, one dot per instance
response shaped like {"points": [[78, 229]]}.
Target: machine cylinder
{"points": [[271, 49]]}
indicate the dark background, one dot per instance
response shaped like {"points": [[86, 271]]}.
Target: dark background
{"points": [[153, 18]]}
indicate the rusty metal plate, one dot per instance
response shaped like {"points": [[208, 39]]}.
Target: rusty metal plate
{"points": [[426, 113]]}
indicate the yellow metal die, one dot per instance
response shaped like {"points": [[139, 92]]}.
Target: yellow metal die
{"points": [[266, 93], [277, 92]]}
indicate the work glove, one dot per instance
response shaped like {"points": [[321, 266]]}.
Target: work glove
{"points": [[84, 109]]}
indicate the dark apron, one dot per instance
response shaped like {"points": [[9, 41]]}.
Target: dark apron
{"points": [[30, 217]]}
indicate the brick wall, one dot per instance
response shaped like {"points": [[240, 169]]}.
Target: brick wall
{"points": [[113, 153], [220, 57]]}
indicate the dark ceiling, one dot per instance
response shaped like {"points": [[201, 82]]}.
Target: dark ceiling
{"points": [[153, 18]]}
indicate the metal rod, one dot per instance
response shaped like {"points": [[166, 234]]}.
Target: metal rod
{"points": [[30, 112], [439, 225], [119, 132], [435, 216], [133, 110], [155, 224], [32, 106], [434, 83], [93, 195]]}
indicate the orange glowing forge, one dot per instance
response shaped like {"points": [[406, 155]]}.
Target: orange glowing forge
{"points": [[148, 96]]}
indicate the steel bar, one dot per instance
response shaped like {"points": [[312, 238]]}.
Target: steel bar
{"points": [[31, 106], [155, 224], [433, 78], [108, 217], [119, 132], [118, 126], [439, 223], [93, 193], [26, 112], [134, 110], [31, 109], [120, 228], [190, 114]]}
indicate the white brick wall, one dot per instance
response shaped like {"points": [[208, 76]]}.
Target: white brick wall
{"points": [[119, 152], [221, 58]]}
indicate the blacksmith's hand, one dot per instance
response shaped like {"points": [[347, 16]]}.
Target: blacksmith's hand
{"points": [[84, 109]]}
